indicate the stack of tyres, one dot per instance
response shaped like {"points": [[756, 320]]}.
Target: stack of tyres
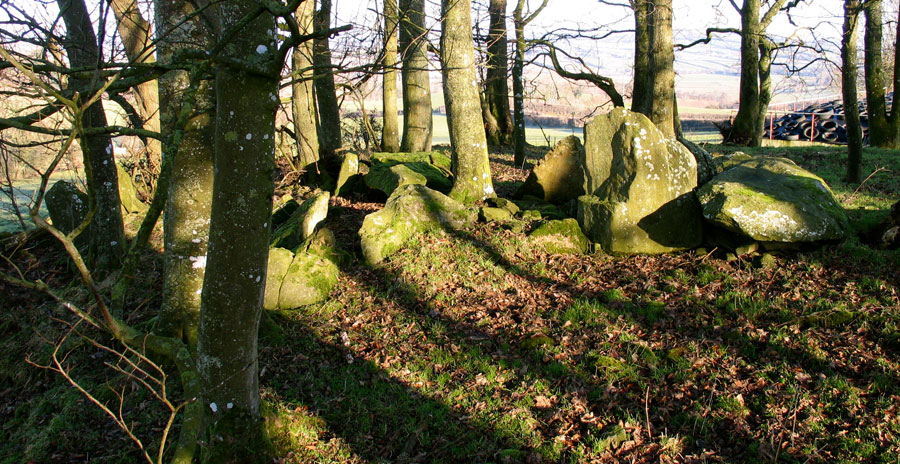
{"points": [[822, 122]]}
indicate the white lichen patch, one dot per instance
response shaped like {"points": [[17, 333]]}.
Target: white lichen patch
{"points": [[260, 49], [198, 262]]}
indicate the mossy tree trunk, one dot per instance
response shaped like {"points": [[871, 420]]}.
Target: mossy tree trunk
{"points": [[471, 167], [641, 95], [745, 127], [303, 102], [766, 52], [390, 132], [326, 94], [186, 222], [519, 140], [496, 86], [106, 229], [849, 90], [884, 124], [135, 33], [662, 61], [417, 121], [239, 237]]}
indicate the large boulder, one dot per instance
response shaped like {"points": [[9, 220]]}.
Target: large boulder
{"points": [[639, 187], [67, 206], [771, 199], [349, 171], [392, 170], [302, 223], [561, 237], [410, 210], [304, 276], [558, 177]]}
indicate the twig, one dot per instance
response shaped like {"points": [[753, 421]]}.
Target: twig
{"points": [[861, 184]]}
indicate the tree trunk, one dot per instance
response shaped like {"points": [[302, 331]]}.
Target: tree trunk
{"points": [[326, 95], [641, 95], [417, 121], [135, 33], [186, 222], [884, 130], [848, 84], [239, 239], [744, 130], [766, 51], [303, 102], [390, 132], [662, 60], [471, 167], [496, 82], [519, 86], [107, 230]]}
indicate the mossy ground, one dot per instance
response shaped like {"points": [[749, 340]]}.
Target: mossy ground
{"points": [[472, 346]]}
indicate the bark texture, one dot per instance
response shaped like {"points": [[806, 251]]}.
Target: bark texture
{"points": [[390, 132], [106, 229], [239, 237], [641, 96], [745, 129], [303, 102], [662, 60], [884, 124], [417, 121], [849, 90], [470, 165], [186, 222], [326, 95], [496, 86]]}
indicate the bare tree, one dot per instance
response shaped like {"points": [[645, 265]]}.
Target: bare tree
{"points": [[417, 120], [496, 84], [852, 9], [884, 123], [521, 19], [303, 101], [390, 134]]}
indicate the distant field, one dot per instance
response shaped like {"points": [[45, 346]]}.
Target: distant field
{"points": [[24, 189]]}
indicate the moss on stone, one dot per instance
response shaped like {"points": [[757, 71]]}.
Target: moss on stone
{"points": [[560, 236]]}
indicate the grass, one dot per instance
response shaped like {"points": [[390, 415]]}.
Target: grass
{"points": [[474, 347]]}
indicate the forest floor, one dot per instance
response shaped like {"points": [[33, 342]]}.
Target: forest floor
{"points": [[473, 346]]}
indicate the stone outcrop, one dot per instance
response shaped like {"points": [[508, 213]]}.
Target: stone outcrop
{"points": [[771, 199], [302, 222], [639, 187], [410, 210], [67, 206], [558, 177], [560, 237], [349, 171], [392, 170], [304, 276]]}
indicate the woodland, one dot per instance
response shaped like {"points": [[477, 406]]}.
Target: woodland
{"points": [[224, 253]]}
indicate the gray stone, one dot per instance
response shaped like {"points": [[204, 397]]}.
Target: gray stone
{"points": [[349, 170], [491, 214], [558, 177], [302, 222], [706, 167], [280, 260], [128, 193], [770, 199], [640, 187], [726, 162], [508, 205], [67, 206], [410, 210], [560, 237], [302, 277], [388, 178], [434, 166]]}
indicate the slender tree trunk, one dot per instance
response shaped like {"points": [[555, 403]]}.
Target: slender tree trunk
{"points": [[519, 85], [884, 130], [417, 121], [135, 33], [303, 102], [471, 167], [107, 230], [186, 222], [239, 239], [744, 130], [848, 81], [390, 133], [326, 95], [662, 61], [766, 51], [641, 94], [496, 85]]}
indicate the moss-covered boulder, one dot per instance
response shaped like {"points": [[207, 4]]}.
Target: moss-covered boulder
{"points": [[302, 222], [349, 171], [304, 276], [492, 214], [558, 177], [410, 210], [388, 178], [433, 166], [128, 194], [640, 187], [770, 199], [503, 203], [725, 162], [561, 237], [67, 206]]}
